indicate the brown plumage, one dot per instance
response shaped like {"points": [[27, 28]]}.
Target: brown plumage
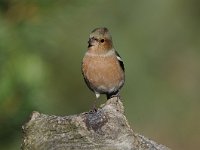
{"points": [[102, 67]]}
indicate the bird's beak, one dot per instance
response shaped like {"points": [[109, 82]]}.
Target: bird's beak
{"points": [[91, 40]]}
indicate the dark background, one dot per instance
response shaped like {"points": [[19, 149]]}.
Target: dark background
{"points": [[42, 43]]}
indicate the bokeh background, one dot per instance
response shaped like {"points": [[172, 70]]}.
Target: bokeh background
{"points": [[42, 44]]}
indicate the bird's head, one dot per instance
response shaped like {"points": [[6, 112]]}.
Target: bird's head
{"points": [[100, 40]]}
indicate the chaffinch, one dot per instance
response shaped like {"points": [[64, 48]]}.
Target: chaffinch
{"points": [[102, 67]]}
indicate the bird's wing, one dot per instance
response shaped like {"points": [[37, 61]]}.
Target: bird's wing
{"points": [[120, 60]]}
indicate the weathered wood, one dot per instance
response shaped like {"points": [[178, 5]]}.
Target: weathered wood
{"points": [[106, 129]]}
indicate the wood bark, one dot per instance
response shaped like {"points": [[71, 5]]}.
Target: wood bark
{"points": [[105, 129]]}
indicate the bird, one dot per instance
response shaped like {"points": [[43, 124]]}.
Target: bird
{"points": [[102, 67]]}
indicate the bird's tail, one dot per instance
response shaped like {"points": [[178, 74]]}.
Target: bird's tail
{"points": [[113, 94]]}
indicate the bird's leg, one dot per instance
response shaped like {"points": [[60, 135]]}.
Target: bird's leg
{"points": [[116, 95], [94, 109]]}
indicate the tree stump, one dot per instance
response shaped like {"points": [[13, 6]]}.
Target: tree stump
{"points": [[105, 129]]}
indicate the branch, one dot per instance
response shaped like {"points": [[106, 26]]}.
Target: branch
{"points": [[106, 129]]}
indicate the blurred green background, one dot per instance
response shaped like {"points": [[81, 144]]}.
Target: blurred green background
{"points": [[42, 44]]}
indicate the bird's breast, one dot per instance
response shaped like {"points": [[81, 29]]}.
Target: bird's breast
{"points": [[103, 73]]}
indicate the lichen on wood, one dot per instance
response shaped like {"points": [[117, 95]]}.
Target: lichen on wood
{"points": [[105, 129]]}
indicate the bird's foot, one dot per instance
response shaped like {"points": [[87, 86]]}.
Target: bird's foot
{"points": [[94, 109]]}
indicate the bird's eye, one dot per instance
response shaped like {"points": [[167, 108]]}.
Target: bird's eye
{"points": [[102, 40]]}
